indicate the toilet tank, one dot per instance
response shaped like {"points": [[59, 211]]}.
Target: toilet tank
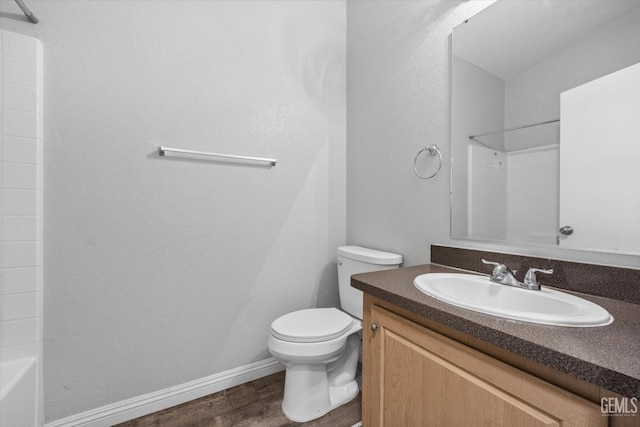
{"points": [[354, 260]]}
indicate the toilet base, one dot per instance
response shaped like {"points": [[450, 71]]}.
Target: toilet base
{"points": [[300, 411], [312, 390], [345, 394]]}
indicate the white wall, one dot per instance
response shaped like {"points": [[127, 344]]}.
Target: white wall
{"points": [[513, 196], [159, 271], [488, 190], [398, 101], [21, 201], [478, 100], [534, 94], [532, 186]]}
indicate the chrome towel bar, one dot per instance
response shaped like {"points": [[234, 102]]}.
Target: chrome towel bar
{"points": [[163, 150]]}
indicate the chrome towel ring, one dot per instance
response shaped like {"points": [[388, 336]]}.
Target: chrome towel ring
{"points": [[432, 150]]}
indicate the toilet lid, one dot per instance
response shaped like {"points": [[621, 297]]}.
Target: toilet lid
{"points": [[311, 325]]}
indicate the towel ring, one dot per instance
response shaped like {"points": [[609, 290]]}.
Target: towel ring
{"points": [[432, 150]]}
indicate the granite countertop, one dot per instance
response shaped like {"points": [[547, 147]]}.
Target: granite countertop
{"points": [[608, 356]]}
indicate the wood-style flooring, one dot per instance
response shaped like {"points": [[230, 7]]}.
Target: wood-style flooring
{"points": [[256, 403]]}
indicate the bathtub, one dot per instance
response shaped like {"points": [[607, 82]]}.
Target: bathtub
{"points": [[18, 385]]}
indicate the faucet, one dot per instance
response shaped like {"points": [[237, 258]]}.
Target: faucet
{"points": [[503, 275]]}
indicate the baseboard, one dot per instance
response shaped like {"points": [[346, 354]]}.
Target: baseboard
{"points": [[139, 406]]}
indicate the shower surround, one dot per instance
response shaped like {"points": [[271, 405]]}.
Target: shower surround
{"points": [[21, 230]]}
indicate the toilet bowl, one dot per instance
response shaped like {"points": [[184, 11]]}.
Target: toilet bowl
{"points": [[319, 362], [320, 346]]}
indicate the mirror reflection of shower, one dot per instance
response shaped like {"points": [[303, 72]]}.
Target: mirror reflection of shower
{"points": [[510, 64]]}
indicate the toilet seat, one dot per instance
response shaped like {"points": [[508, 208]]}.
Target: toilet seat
{"points": [[314, 352], [311, 325]]}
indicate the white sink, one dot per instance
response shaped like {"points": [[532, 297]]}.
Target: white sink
{"points": [[546, 306]]}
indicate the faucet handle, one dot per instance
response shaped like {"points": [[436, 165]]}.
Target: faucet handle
{"points": [[491, 262], [530, 277], [499, 270]]}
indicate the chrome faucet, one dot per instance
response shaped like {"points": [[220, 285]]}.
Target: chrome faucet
{"points": [[503, 275]]}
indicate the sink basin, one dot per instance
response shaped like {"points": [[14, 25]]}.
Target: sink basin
{"points": [[546, 306]]}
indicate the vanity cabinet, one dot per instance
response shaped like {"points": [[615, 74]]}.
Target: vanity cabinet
{"points": [[414, 376]]}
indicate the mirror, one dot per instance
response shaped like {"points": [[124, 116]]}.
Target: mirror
{"points": [[545, 145]]}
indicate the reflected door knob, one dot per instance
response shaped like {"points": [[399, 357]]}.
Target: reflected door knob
{"points": [[567, 230]]}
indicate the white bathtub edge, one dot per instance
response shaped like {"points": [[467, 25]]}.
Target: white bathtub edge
{"points": [[139, 406], [12, 371], [19, 396]]}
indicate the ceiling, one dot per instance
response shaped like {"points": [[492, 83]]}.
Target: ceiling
{"points": [[535, 29]]}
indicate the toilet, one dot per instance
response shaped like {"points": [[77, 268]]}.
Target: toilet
{"points": [[320, 346]]}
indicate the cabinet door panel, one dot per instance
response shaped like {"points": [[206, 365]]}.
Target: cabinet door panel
{"points": [[420, 378], [421, 389]]}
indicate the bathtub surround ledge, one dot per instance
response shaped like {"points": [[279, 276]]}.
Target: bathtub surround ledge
{"points": [[19, 382]]}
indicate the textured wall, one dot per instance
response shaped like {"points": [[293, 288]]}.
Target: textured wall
{"points": [[159, 271], [398, 103], [477, 103]]}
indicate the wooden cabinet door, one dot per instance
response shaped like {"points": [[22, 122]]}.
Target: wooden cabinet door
{"points": [[419, 378]]}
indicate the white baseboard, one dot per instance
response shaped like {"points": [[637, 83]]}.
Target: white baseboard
{"points": [[139, 406]]}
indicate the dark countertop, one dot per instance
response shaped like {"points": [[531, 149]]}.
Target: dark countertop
{"points": [[607, 356]]}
